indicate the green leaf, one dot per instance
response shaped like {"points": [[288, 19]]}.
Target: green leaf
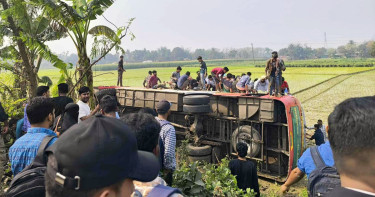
{"points": [[102, 30]]}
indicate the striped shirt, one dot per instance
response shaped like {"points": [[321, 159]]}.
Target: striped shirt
{"points": [[168, 137]]}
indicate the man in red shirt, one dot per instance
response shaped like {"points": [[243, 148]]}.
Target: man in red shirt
{"points": [[217, 74], [284, 87], [153, 82]]}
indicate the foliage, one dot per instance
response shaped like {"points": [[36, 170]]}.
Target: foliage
{"points": [[13, 105], [207, 180], [45, 80], [182, 152]]}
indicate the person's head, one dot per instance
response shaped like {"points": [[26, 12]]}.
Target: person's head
{"points": [[43, 91], [226, 69], [282, 79], [256, 79], [40, 112], [210, 77], [351, 136], [241, 148], [108, 106], [320, 122], [316, 126], [188, 73], [154, 72], [163, 108], [200, 59], [100, 168], [178, 69], [84, 94], [148, 110], [146, 129], [275, 55], [121, 57], [263, 79], [63, 88], [243, 74], [229, 76], [248, 74], [150, 72]]}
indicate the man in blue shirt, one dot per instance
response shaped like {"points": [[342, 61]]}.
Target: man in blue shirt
{"points": [[183, 81], [306, 165], [41, 116], [243, 84]]}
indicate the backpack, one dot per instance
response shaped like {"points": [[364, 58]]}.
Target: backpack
{"points": [[30, 181], [163, 191], [324, 178]]}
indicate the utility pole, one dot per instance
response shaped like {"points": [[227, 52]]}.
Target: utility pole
{"points": [[252, 49], [325, 40]]}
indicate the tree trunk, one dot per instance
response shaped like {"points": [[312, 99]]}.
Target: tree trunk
{"points": [[84, 63]]}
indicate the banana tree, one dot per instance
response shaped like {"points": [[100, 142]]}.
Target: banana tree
{"points": [[28, 29], [76, 16]]}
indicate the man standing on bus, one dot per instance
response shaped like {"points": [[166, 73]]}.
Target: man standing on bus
{"points": [[203, 71], [274, 69]]}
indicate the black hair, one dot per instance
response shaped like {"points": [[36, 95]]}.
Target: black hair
{"points": [[38, 109], [209, 76], [146, 129], [316, 126], [274, 52], [241, 148], [249, 73], [154, 71], [108, 104], [188, 73], [83, 89], [351, 136], [63, 88], [243, 74], [121, 56], [179, 68], [199, 57], [54, 189], [148, 110], [256, 79], [229, 75], [320, 120], [149, 72], [41, 90], [226, 69], [282, 79]]}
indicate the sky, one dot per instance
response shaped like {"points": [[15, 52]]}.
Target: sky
{"points": [[227, 24]]}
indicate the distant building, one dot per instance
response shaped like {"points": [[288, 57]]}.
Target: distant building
{"points": [[147, 61]]}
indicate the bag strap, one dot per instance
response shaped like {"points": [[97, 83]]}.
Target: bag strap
{"points": [[163, 191], [319, 163], [40, 159], [57, 125]]}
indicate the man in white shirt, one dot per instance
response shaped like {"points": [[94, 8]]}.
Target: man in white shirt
{"points": [[261, 85], [84, 108]]}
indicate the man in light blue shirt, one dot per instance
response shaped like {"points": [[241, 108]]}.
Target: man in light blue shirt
{"points": [[244, 83], [40, 112], [306, 165]]}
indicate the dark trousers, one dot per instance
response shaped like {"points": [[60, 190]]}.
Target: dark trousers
{"points": [[119, 79]]}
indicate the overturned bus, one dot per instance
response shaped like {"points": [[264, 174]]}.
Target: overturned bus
{"points": [[272, 127]]}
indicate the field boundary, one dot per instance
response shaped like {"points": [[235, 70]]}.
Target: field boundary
{"points": [[327, 80]]}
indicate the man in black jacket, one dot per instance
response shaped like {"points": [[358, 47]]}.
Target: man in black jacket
{"points": [[62, 100], [245, 171], [351, 133]]}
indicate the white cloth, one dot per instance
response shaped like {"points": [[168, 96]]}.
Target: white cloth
{"points": [[212, 83], [84, 110], [261, 87]]}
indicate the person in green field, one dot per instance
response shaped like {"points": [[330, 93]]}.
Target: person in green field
{"points": [[120, 70]]}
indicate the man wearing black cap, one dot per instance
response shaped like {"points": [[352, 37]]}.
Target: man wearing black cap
{"points": [[203, 71], [62, 100], [167, 141], [98, 157], [121, 70], [84, 108]]}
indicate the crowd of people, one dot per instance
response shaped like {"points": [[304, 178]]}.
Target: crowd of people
{"points": [[221, 80]]}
